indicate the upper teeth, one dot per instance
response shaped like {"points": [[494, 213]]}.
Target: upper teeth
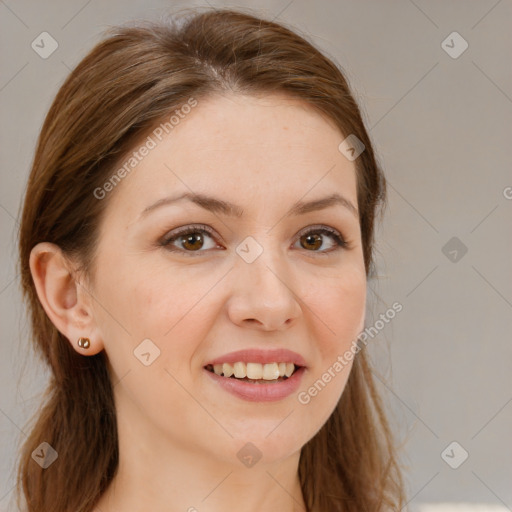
{"points": [[269, 371]]}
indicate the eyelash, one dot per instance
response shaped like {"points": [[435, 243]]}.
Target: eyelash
{"points": [[166, 242]]}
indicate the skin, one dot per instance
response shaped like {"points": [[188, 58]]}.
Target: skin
{"points": [[179, 433]]}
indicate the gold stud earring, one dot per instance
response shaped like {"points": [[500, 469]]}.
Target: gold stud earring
{"points": [[84, 342]]}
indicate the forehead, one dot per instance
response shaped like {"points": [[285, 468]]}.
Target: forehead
{"points": [[271, 149]]}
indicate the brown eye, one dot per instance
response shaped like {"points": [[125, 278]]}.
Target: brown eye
{"points": [[313, 240], [189, 240], [192, 241]]}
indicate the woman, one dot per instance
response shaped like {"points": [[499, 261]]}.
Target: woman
{"points": [[195, 245]]}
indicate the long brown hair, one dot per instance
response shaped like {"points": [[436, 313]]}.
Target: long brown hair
{"points": [[127, 83]]}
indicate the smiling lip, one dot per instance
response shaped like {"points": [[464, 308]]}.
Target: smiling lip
{"points": [[260, 356], [269, 392]]}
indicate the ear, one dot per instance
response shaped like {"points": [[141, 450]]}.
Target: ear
{"points": [[66, 302]]}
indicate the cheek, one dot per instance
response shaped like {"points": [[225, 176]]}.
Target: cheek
{"points": [[350, 309], [339, 304], [152, 299], [166, 306]]}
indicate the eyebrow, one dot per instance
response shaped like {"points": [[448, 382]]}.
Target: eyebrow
{"points": [[215, 205]]}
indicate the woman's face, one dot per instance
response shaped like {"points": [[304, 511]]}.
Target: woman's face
{"points": [[258, 277]]}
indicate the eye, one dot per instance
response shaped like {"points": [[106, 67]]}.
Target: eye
{"points": [[312, 238], [191, 239]]}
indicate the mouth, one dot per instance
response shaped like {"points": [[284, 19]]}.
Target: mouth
{"points": [[256, 373]]}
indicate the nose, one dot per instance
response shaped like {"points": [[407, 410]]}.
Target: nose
{"points": [[263, 296]]}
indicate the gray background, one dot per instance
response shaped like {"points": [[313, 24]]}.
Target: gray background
{"points": [[441, 128]]}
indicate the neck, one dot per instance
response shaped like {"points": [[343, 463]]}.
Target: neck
{"points": [[161, 474]]}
